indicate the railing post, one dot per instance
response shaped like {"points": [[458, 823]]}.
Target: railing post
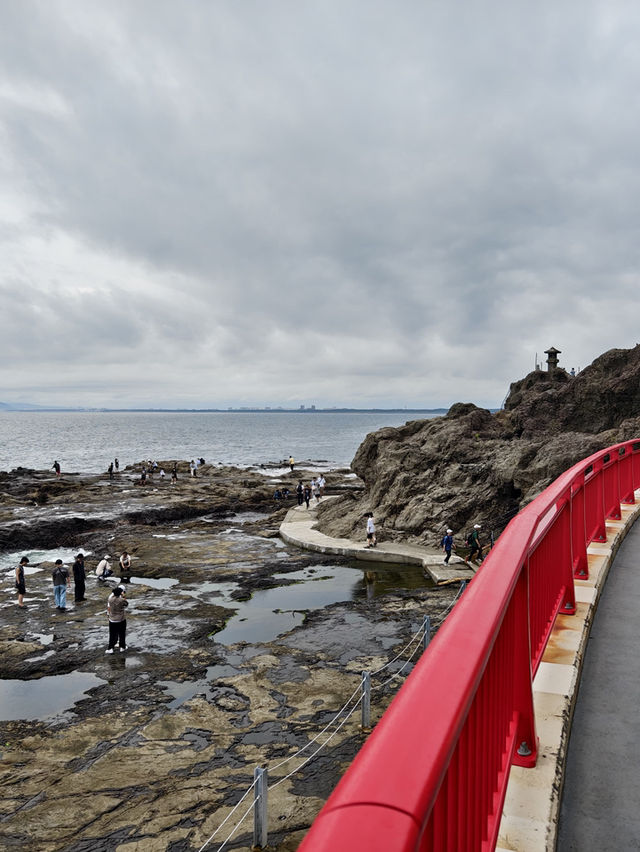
{"points": [[259, 808], [366, 701], [578, 534], [426, 626], [568, 605], [526, 740]]}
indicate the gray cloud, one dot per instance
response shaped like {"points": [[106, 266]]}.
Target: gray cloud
{"points": [[218, 204]]}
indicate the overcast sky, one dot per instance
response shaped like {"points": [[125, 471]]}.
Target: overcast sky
{"points": [[211, 204]]}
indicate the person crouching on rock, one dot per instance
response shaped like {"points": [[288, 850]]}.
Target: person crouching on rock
{"points": [[116, 606], [103, 569], [371, 531]]}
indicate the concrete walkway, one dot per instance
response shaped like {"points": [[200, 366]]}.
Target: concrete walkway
{"points": [[298, 528], [600, 802], [600, 810]]}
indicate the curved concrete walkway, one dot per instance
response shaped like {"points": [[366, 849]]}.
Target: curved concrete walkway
{"points": [[531, 809], [600, 801], [298, 528]]}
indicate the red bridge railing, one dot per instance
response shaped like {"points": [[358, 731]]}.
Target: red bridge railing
{"points": [[433, 774]]}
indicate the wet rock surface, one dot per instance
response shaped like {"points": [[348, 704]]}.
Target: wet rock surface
{"points": [[474, 466], [150, 749]]}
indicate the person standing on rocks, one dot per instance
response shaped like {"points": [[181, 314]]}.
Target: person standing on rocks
{"points": [[79, 577], [61, 580], [56, 466], [174, 473], [116, 606], [20, 585], [117, 463], [110, 471], [447, 545], [372, 541], [291, 462]]}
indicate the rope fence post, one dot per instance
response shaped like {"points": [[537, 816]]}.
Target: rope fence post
{"points": [[259, 808], [426, 626], [366, 701]]}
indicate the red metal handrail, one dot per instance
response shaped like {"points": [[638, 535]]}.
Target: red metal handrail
{"points": [[433, 774]]}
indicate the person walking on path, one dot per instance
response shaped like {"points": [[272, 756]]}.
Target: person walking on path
{"points": [[56, 466], [300, 492], [79, 577], [291, 462], [447, 545], [20, 586], [321, 484], [61, 580], [371, 531], [307, 495], [116, 606], [475, 548]]}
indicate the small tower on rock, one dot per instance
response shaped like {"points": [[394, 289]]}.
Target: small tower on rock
{"points": [[552, 360]]}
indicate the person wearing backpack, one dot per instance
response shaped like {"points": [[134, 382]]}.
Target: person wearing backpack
{"points": [[475, 548], [61, 580]]}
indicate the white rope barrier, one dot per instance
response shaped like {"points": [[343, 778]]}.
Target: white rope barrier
{"points": [[228, 817], [415, 638], [242, 819], [311, 756]]}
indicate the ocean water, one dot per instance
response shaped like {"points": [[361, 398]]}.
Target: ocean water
{"points": [[88, 441]]}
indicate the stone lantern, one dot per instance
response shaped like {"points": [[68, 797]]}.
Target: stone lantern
{"points": [[552, 360]]}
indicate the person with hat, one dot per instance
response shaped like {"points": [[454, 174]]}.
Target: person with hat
{"points": [[475, 548], [61, 580], [447, 545], [20, 586], [103, 569]]}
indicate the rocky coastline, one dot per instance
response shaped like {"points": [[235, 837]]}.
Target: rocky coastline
{"points": [[474, 466], [161, 741]]}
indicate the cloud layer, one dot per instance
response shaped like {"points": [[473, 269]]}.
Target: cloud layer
{"points": [[341, 204]]}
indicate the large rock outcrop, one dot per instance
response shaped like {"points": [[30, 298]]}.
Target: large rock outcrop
{"points": [[472, 466]]}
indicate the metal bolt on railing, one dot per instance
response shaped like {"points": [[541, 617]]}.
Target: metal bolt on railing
{"points": [[259, 808], [524, 750], [426, 626], [366, 701]]}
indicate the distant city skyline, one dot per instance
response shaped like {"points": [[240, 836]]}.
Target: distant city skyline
{"points": [[208, 205]]}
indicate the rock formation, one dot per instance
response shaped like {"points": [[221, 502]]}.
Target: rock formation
{"points": [[472, 466]]}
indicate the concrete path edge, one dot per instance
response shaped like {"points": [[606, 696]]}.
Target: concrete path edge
{"points": [[531, 808]]}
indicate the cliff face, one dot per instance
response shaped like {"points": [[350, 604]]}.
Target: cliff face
{"points": [[472, 466]]}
